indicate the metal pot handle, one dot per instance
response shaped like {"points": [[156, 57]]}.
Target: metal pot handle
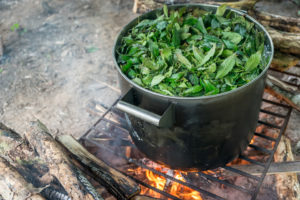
{"points": [[165, 120]]}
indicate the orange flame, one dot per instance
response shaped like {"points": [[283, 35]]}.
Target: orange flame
{"points": [[159, 182]]}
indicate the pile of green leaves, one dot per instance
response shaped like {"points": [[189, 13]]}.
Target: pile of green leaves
{"points": [[192, 52]]}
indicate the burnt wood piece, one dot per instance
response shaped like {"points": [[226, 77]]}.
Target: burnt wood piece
{"points": [[289, 24], [141, 6], [293, 99], [121, 186], [55, 156], [287, 185], [275, 168], [13, 186]]}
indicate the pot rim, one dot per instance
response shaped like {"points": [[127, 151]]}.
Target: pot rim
{"points": [[248, 17]]}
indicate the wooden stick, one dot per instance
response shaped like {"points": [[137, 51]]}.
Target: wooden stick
{"points": [[287, 185], [13, 186], [275, 168], [282, 85], [118, 184], [71, 178]]}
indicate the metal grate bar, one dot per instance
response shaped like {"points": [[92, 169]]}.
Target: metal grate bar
{"points": [[237, 171], [272, 154], [225, 183], [252, 161], [202, 191], [272, 113], [155, 189], [276, 103], [265, 136], [269, 125], [187, 182], [260, 148]]}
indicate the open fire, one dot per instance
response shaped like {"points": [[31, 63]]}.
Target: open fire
{"points": [[159, 182], [110, 141]]}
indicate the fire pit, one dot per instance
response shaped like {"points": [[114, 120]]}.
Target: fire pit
{"points": [[109, 140]]}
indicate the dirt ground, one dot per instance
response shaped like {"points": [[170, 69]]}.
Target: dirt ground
{"points": [[57, 64]]}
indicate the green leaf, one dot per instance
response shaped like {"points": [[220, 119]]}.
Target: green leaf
{"points": [[177, 76], [127, 66], [183, 59], [198, 54], [212, 68], [145, 70], [175, 37], [194, 79], [157, 79], [200, 25], [153, 48], [166, 53], [161, 25], [192, 90], [150, 64], [137, 81], [253, 61], [232, 37], [221, 10], [169, 72], [209, 54], [209, 88], [165, 10], [226, 66]]}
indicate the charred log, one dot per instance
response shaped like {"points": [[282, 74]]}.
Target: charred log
{"points": [[118, 184], [292, 98], [13, 186], [71, 178]]}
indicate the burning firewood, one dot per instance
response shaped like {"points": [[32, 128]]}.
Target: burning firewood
{"points": [[70, 177], [13, 186], [118, 184]]}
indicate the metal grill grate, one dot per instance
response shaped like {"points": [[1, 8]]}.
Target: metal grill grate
{"points": [[110, 134]]}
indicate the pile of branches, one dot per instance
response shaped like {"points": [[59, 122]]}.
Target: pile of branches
{"points": [[39, 167]]}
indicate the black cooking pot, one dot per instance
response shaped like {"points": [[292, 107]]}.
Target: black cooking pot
{"points": [[192, 132]]}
